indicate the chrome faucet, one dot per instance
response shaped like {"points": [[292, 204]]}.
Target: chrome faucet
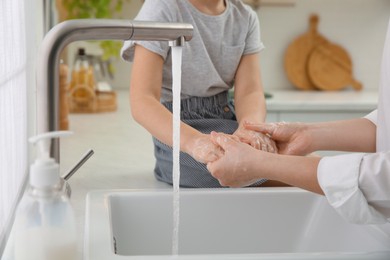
{"points": [[89, 29]]}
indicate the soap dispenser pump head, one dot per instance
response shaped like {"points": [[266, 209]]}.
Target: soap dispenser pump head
{"points": [[44, 172]]}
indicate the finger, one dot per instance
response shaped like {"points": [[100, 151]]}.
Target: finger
{"points": [[210, 167], [215, 155], [235, 138], [271, 147], [241, 136], [219, 152], [211, 157], [268, 129], [258, 141], [222, 140], [245, 140], [255, 142], [213, 137]]}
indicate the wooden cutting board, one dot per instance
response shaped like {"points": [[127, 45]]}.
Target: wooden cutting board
{"points": [[330, 68], [297, 55]]}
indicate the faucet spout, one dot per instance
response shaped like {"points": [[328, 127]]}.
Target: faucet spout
{"points": [[88, 29]]}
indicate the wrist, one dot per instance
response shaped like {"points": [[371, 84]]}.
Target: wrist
{"points": [[312, 133], [251, 120], [268, 163], [189, 142]]}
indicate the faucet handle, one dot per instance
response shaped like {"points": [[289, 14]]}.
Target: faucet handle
{"points": [[85, 157], [65, 187]]}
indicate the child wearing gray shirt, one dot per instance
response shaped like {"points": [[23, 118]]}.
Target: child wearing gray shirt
{"points": [[210, 68]]}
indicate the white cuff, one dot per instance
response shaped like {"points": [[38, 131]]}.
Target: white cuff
{"points": [[373, 117], [338, 177]]}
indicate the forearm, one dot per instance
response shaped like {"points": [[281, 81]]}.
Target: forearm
{"points": [[297, 171], [249, 98], [250, 107], [356, 135], [145, 92], [157, 120]]}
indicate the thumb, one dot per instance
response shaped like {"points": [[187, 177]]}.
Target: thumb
{"points": [[223, 140], [268, 129], [210, 167]]}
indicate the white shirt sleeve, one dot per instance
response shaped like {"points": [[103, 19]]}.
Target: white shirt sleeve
{"points": [[357, 186], [373, 117]]}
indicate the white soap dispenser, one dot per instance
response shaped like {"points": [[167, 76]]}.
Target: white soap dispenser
{"points": [[44, 222]]}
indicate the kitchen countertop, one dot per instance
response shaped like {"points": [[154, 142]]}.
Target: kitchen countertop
{"points": [[124, 159], [300, 101]]}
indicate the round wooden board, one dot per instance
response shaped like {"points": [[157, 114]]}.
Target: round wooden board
{"points": [[297, 54], [330, 68]]}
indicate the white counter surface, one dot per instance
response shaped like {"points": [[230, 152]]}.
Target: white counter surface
{"points": [[348, 100]]}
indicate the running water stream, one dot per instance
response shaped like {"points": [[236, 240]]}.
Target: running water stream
{"points": [[176, 89]]}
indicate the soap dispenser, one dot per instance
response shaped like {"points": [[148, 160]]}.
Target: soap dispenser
{"points": [[44, 221]]}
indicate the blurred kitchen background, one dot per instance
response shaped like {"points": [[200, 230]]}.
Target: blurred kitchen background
{"points": [[357, 25]]}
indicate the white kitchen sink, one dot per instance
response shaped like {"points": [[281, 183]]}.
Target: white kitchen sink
{"points": [[263, 223]]}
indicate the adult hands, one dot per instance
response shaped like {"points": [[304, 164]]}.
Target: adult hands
{"points": [[290, 138], [204, 150], [236, 167]]}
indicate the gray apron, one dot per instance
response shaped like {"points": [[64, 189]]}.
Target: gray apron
{"points": [[205, 114]]}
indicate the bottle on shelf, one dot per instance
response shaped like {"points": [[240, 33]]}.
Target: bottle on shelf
{"points": [[82, 81]]}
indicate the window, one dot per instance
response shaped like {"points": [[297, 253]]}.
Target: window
{"points": [[13, 109]]}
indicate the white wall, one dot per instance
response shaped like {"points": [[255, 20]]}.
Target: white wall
{"points": [[357, 25]]}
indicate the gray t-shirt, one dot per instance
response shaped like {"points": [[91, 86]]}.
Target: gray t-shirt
{"points": [[211, 58]]}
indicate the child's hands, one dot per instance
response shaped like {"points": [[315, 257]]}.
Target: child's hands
{"points": [[256, 139], [204, 150], [236, 168]]}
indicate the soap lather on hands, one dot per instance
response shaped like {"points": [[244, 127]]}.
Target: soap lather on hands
{"points": [[233, 169], [206, 150], [237, 169], [292, 138], [256, 139]]}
